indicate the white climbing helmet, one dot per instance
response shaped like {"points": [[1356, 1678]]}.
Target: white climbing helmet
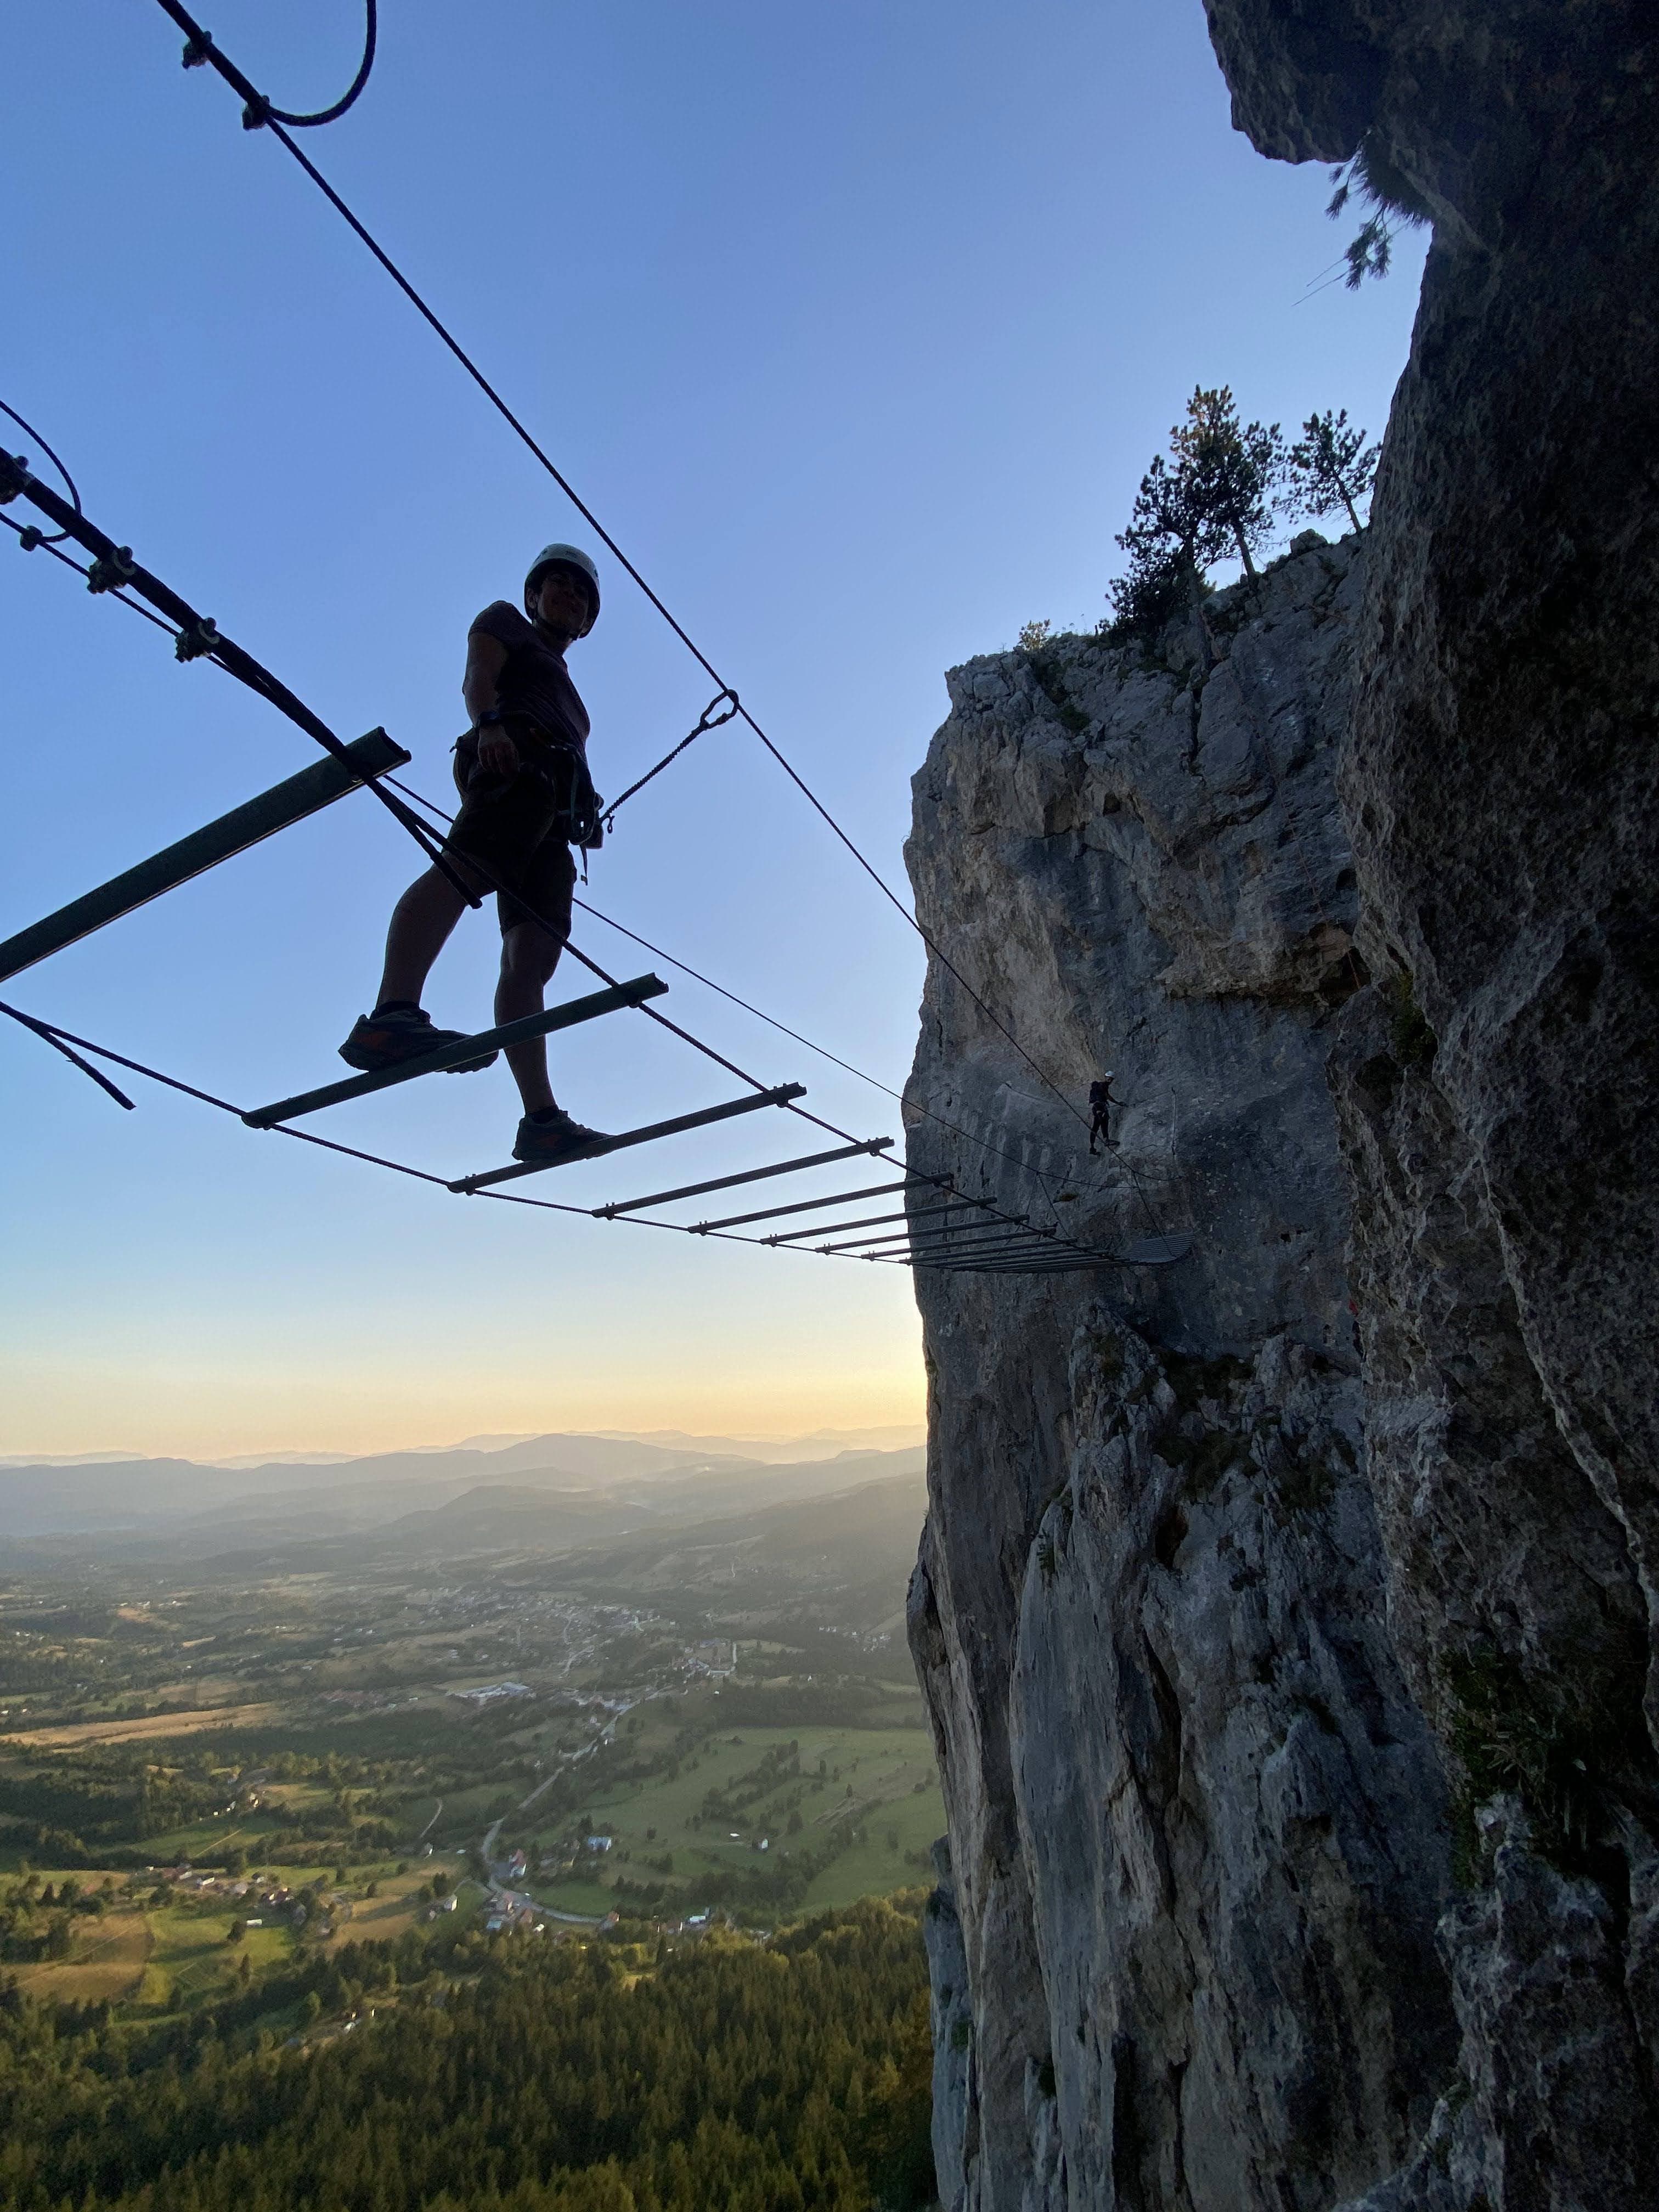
{"points": [[563, 556]]}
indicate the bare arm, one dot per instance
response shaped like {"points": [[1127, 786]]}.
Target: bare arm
{"points": [[486, 657]]}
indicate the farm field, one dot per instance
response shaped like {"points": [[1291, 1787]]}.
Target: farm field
{"points": [[748, 1749], [880, 1782], [164, 1957], [108, 1963], [157, 1959], [154, 1726], [396, 1908], [193, 1960]]}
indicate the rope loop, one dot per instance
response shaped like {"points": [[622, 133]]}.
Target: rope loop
{"points": [[199, 49], [13, 473], [711, 721]]}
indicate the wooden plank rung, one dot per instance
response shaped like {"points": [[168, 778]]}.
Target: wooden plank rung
{"points": [[750, 1175], [783, 1096], [256, 820], [453, 1055]]}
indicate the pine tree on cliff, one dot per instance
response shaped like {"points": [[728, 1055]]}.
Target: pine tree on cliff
{"points": [[1331, 466], [1234, 468], [1171, 541], [1211, 497]]}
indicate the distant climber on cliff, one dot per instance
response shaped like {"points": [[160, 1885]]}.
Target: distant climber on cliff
{"points": [[526, 797], [1101, 1103]]}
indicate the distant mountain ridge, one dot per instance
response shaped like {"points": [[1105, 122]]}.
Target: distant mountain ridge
{"points": [[548, 1491]]}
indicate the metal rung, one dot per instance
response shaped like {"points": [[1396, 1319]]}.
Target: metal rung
{"points": [[1148, 1252], [1008, 1248], [869, 1221], [452, 1056], [1033, 1263], [835, 1197], [279, 808], [1054, 1264], [1158, 1251], [782, 1097], [750, 1175], [969, 1234]]}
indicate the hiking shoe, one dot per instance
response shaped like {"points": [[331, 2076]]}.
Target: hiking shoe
{"points": [[382, 1040], [538, 1144]]}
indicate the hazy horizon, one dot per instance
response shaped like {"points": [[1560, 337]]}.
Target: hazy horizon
{"points": [[880, 1436]]}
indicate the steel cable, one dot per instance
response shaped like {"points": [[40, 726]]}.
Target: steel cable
{"points": [[61, 1040], [440, 815], [29, 431], [197, 638], [31, 539], [258, 110], [233, 662], [234, 78]]}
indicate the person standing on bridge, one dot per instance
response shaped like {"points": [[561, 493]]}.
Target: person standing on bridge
{"points": [[526, 797], [1101, 1103]]}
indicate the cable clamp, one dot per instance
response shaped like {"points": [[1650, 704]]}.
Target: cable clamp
{"points": [[13, 476], [197, 50], [110, 570], [198, 641], [30, 536], [257, 114]]}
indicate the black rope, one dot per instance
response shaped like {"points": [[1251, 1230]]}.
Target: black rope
{"points": [[112, 568], [517, 900], [940, 1121], [257, 678], [28, 538], [710, 720], [199, 48], [234, 77], [29, 431], [62, 1040], [42, 1029], [196, 637]]}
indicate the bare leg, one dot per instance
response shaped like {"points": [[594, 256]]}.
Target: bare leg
{"points": [[529, 956], [421, 923]]}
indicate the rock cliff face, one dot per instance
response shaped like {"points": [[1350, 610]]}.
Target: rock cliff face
{"points": [[1199, 1842], [1498, 1094], [1287, 1615]]}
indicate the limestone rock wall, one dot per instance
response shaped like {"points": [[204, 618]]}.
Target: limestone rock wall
{"points": [[1497, 1087], [1199, 1839]]}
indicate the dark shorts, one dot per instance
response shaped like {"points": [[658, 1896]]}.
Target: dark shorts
{"points": [[511, 827]]}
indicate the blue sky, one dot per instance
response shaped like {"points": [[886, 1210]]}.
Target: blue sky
{"points": [[858, 326]]}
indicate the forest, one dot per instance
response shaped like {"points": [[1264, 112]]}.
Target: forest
{"points": [[499, 2075]]}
